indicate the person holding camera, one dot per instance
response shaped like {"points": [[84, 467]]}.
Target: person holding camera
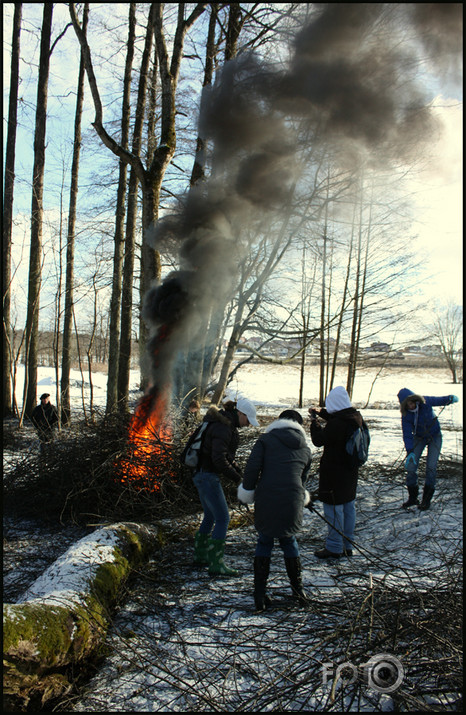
{"points": [[338, 472]]}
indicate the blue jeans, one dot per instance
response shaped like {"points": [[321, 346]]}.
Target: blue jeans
{"points": [[214, 504], [288, 544], [340, 518], [434, 445]]}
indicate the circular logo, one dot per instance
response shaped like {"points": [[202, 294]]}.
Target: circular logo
{"points": [[384, 673]]}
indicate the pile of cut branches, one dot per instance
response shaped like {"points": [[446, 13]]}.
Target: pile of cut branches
{"points": [[88, 473]]}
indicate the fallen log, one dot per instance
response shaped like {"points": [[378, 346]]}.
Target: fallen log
{"points": [[63, 617]]}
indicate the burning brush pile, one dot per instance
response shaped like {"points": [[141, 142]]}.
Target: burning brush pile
{"points": [[110, 469], [150, 456]]}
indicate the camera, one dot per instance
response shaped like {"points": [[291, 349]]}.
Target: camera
{"points": [[314, 414]]}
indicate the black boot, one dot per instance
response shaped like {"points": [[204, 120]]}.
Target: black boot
{"points": [[261, 574], [427, 495], [293, 569], [413, 500]]}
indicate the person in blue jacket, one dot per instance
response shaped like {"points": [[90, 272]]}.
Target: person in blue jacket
{"points": [[421, 429]]}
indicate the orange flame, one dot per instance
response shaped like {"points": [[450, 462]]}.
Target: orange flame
{"points": [[148, 445]]}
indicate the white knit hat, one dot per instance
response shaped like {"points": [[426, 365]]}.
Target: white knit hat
{"points": [[337, 399], [247, 408]]}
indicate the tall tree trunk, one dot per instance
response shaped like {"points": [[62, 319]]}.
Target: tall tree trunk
{"points": [[306, 302], [322, 322], [233, 30], [57, 338], [194, 365], [169, 69], [342, 313], [151, 179], [198, 170], [354, 326], [118, 255], [124, 361], [32, 320], [8, 207], [362, 296], [70, 245]]}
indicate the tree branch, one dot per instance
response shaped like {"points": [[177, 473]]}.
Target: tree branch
{"points": [[109, 142]]}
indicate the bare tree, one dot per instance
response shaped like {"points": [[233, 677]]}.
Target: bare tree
{"points": [[198, 170], [8, 208], [124, 360], [358, 302], [448, 330], [119, 240], [32, 320], [150, 178], [70, 244]]}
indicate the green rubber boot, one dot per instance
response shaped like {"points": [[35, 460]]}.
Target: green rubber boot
{"points": [[201, 542], [217, 567]]}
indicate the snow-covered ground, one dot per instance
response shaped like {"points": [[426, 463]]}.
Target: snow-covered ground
{"points": [[184, 642], [273, 388]]}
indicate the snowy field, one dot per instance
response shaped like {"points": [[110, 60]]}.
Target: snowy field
{"points": [[184, 642], [273, 388]]}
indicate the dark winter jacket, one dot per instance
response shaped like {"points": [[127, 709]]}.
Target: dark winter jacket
{"points": [[44, 417], [338, 475], [220, 444], [277, 469], [421, 422]]}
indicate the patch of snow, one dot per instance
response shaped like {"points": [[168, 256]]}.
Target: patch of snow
{"points": [[66, 581]]}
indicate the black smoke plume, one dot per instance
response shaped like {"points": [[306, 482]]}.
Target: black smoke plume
{"points": [[352, 81]]}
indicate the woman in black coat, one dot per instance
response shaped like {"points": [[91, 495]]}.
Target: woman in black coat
{"points": [[216, 460], [338, 472], [274, 479]]}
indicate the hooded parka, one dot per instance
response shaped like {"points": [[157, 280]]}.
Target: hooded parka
{"points": [[421, 422], [338, 475], [277, 469], [220, 444]]}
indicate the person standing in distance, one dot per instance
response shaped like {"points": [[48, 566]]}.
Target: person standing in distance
{"points": [[44, 418]]}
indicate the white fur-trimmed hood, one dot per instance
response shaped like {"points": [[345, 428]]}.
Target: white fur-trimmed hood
{"points": [[285, 424]]}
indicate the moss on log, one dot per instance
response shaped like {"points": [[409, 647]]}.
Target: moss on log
{"points": [[63, 617]]}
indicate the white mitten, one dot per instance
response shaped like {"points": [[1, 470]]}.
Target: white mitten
{"points": [[245, 496]]}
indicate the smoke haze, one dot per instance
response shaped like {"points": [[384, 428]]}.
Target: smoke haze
{"points": [[352, 82]]}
